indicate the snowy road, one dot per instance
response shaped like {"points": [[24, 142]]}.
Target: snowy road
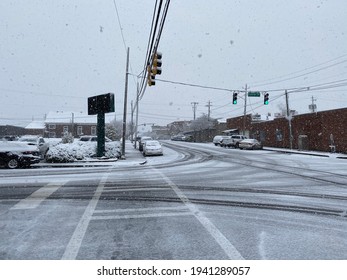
{"points": [[196, 202]]}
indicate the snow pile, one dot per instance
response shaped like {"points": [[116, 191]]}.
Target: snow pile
{"points": [[79, 150]]}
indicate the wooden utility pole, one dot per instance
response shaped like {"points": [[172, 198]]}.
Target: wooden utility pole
{"points": [[125, 105], [194, 106], [209, 109], [289, 118]]}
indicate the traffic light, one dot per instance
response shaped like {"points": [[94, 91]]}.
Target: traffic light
{"points": [[156, 68], [266, 99], [150, 77], [235, 98]]}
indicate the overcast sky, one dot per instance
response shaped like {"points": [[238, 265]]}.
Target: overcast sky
{"points": [[54, 54]]}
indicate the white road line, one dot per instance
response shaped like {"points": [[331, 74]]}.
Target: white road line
{"points": [[223, 242], [137, 189], [37, 197], [141, 209], [75, 242], [140, 216]]}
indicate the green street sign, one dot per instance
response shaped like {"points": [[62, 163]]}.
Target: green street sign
{"points": [[254, 93]]}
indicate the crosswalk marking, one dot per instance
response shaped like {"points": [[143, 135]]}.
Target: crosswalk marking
{"points": [[37, 197]]}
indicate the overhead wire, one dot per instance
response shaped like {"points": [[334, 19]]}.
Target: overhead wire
{"points": [[155, 41], [268, 81]]}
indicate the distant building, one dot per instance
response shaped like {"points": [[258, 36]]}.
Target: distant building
{"points": [[320, 131], [36, 128], [178, 127], [58, 123]]}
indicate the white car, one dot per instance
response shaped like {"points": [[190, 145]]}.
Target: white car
{"points": [[151, 148], [250, 144], [218, 138], [92, 138], [142, 142], [37, 141]]}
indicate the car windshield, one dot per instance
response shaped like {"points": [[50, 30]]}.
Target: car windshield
{"points": [[29, 140], [152, 143], [139, 111]]}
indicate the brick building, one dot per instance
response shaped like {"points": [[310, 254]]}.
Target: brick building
{"points": [[314, 131]]}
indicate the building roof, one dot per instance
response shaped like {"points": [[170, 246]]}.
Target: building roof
{"points": [[76, 117], [36, 125]]}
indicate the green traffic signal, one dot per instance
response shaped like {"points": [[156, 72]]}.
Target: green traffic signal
{"points": [[235, 98]]}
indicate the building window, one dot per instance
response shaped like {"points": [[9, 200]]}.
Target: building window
{"points": [[79, 130], [65, 129], [51, 126], [93, 130], [51, 134]]}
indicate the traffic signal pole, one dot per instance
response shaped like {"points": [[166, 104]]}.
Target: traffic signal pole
{"points": [[244, 112]]}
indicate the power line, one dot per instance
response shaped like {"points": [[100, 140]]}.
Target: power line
{"points": [[268, 82], [155, 41], [120, 25]]}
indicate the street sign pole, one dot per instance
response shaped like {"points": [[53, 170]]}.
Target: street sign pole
{"points": [[101, 134]]}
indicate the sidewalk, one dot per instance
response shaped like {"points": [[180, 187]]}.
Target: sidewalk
{"points": [[311, 153]]}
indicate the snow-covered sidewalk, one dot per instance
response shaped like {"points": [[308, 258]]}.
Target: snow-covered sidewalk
{"points": [[311, 153]]}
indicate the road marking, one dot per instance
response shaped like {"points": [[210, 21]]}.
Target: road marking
{"points": [[223, 242], [140, 216], [137, 189], [140, 213], [75, 242], [37, 197], [141, 209]]}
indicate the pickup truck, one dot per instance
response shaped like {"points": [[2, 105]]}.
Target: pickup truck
{"points": [[232, 141]]}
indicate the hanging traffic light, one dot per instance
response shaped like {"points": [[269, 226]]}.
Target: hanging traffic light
{"points": [[266, 99], [150, 77], [156, 68], [235, 98]]}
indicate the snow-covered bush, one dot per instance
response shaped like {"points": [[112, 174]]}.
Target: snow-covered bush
{"points": [[79, 150]]}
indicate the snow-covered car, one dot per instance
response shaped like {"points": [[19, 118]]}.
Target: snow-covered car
{"points": [[142, 141], [92, 138], [151, 148], [37, 141], [16, 154], [250, 144], [218, 138]]}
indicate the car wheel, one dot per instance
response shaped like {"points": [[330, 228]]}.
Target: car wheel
{"points": [[13, 163]]}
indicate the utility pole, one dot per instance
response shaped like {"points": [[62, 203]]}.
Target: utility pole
{"points": [[132, 123], [137, 111], [313, 106], [194, 106], [244, 112], [289, 118], [125, 105], [209, 109]]}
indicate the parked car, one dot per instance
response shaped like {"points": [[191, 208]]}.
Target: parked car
{"points": [[237, 139], [227, 142], [250, 144], [37, 141], [179, 137], [92, 138], [16, 154], [218, 138], [9, 138], [152, 147], [142, 141]]}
